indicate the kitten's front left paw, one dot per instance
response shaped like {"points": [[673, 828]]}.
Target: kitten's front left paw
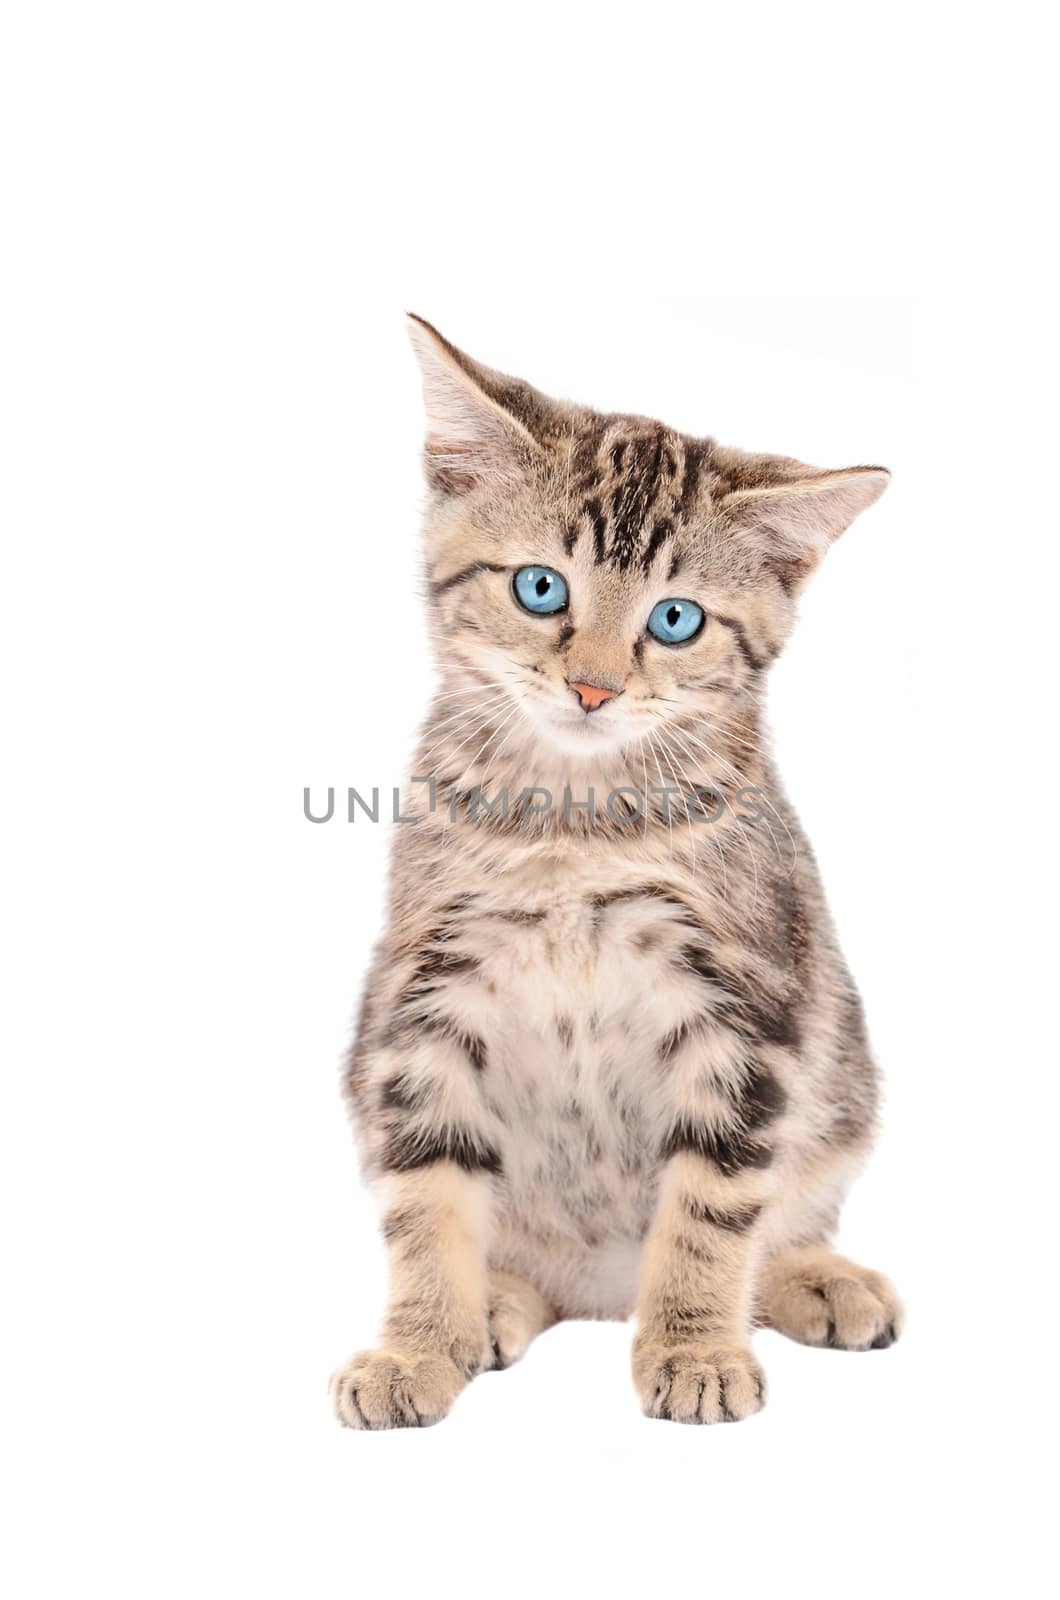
{"points": [[384, 1389], [697, 1382]]}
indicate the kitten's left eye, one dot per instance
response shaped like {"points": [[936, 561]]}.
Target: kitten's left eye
{"points": [[675, 621], [540, 590]]}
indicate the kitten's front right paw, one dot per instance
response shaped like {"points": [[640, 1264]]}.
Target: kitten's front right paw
{"points": [[697, 1382], [384, 1389]]}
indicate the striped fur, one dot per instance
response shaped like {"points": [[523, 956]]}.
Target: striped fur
{"points": [[609, 1056]]}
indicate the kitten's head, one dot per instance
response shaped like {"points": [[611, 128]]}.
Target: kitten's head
{"points": [[609, 576]]}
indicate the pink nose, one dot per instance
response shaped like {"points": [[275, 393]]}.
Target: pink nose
{"points": [[592, 696]]}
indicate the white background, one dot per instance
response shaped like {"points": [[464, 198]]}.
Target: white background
{"points": [[821, 231]]}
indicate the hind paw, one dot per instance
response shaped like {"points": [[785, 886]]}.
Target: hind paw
{"points": [[822, 1299], [517, 1314]]}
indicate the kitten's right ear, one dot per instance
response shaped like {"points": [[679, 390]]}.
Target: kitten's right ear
{"points": [[473, 433]]}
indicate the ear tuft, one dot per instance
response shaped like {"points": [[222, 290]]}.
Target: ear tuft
{"points": [[471, 438]]}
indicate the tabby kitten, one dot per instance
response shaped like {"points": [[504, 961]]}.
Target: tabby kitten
{"points": [[610, 1057]]}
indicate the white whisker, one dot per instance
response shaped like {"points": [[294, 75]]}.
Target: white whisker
{"points": [[688, 812], [662, 785]]}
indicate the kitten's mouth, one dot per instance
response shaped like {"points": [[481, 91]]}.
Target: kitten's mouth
{"points": [[578, 732]]}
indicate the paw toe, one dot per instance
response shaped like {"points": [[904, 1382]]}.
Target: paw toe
{"points": [[742, 1392]]}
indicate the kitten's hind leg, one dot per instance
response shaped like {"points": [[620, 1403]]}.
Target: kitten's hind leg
{"points": [[517, 1314], [820, 1298]]}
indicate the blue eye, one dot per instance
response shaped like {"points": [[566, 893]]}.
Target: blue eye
{"points": [[675, 621], [540, 590]]}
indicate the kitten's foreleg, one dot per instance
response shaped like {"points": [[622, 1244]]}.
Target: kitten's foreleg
{"points": [[691, 1355], [435, 1335]]}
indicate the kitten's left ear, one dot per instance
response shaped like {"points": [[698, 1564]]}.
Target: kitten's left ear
{"points": [[794, 518], [481, 425]]}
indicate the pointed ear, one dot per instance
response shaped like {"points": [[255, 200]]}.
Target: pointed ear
{"points": [[477, 419], [794, 518]]}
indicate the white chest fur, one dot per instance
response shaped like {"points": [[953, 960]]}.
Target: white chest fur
{"points": [[572, 994]]}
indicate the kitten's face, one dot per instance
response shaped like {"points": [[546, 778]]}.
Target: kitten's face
{"points": [[623, 586]]}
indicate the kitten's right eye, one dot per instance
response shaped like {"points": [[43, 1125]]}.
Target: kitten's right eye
{"points": [[540, 590]]}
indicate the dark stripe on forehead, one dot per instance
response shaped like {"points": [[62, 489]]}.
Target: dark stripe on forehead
{"points": [[659, 535], [585, 473], [632, 499], [596, 517], [693, 466]]}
